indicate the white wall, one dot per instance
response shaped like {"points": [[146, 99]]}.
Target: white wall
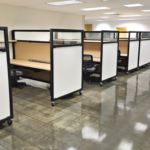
{"points": [[132, 25], [15, 17]]}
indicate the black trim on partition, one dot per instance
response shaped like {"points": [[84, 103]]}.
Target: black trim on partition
{"points": [[139, 49], [13, 44], [66, 45], [101, 56], [128, 51], [9, 76], [29, 41], [23, 30], [52, 61]]}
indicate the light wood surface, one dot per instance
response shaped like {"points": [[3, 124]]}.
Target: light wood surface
{"points": [[10, 41], [124, 54], [34, 51], [36, 65], [92, 41], [93, 49], [123, 46], [96, 59]]}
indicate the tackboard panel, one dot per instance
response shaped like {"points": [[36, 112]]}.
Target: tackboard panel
{"points": [[4, 87], [133, 55], [93, 49], [67, 65], [144, 52], [123, 46], [35, 51], [44, 76], [109, 60]]}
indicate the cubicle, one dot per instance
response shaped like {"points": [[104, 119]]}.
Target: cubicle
{"points": [[50, 56], [103, 46], [144, 57], [129, 47], [6, 106]]}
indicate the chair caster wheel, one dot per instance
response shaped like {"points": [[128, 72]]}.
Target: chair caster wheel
{"points": [[80, 92], [9, 122], [115, 78], [127, 73], [101, 83], [53, 104]]}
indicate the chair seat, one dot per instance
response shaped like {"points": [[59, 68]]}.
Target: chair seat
{"points": [[92, 69], [18, 73]]}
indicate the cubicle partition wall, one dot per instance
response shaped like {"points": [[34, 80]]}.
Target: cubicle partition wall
{"points": [[103, 46], [129, 47], [66, 62], [144, 56], [109, 55], [52, 56], [6, 107]]}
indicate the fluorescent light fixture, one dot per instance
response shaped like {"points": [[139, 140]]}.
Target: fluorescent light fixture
{"points": [[133, 5], [104, 17], [126, 19], [145, 10], [130, 15], [98, 20], [65, 3], [110, 13], [96, 8]]}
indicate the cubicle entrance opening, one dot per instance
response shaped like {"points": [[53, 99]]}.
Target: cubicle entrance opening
{"points": [[6, 106]]}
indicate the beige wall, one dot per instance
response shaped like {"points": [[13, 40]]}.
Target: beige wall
{"points": [[15, 17]]}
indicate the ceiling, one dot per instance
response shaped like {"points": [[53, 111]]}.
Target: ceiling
{"points": [[116, 6]]}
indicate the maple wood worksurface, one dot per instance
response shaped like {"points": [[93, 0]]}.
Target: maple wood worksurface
{"points": [[35, 65]]}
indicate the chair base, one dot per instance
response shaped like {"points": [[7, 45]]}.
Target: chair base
{"points": [[19, 85]]}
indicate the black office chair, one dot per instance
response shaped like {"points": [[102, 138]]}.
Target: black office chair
{"points": [[15, 75], [119, 57], [88, 66]]}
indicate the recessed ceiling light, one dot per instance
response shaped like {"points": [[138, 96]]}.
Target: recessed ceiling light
{"points": [[96, 8], [98, 20], [130, 15], [104, 17], [126, 19], [133, 5], [145, 10], [65, 3], [110, 13]]}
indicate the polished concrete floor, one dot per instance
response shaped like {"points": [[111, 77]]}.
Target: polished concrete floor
{"points": [[113, 117]]}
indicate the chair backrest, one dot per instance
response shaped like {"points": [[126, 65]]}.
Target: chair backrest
{"points": [[119, 53], [87, 61]]}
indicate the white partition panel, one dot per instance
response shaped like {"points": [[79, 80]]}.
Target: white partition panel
{"points": [[109, 62], [133, 55], [4, 87], [67, 70], [33, 36], [144, 53]]}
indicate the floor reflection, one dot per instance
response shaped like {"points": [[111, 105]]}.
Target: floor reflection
{"points": [[113, 117]]}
